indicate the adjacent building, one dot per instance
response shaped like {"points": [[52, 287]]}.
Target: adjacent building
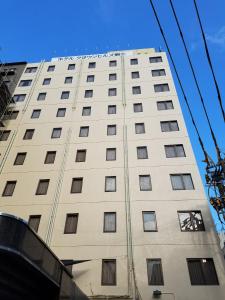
{"points": [[97, 158]]}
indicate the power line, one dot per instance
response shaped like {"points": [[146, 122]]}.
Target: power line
{"points": [[209, 61], [195, 78], [179, 80]]}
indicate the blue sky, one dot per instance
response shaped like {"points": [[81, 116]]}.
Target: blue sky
{"points": [[36, 30]]}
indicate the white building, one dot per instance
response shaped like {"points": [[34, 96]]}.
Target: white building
{"points": [[97, 157]]}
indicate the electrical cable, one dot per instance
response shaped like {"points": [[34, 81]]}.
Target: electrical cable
{"points": [[209, 60], [180, 83], [196, 81]]}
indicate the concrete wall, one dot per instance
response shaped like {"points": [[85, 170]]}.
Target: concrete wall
{"points": [[168, 243]]}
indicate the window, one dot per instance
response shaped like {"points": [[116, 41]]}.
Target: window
{"points": [[136, 90], [25, 83], [145, 183], [112, 76], [77, 184], [35, 114], [51, 68], [41, 96], [34, 221], [160, 72], [88, 94], [20, 158], [90, 78], [92, 65], [71, 67], [202, 271], [191, 220], [56, 133], [61, 112], [84, 131], [112, 92], [174, 151], [68, 80], [50, 157], [42, 187], [111, 130], [86, 111], [110, 184], [10, 115], [164, 105], [81, 155], [109, 222], [154, 271], [138, 107], [65, 95], [169, 126], [108, 272], [113, 63], [139, 128], [142, 152], [31, 70], [149, 221], [135, 75], [4, 135], [164, 87], [181, 182], [9, 188], [111, 109], [19, 97], [111, 154], [28, 134], [71, 223], [134, 61], [46, 81], [155, 59]]}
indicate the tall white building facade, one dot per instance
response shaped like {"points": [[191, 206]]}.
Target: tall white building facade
{"points": [[96, 156]]}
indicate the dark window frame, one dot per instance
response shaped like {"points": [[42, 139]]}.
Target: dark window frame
{"points": [[104, 223], [203, 273], [38, 192], [149, 212], [78, 179], [46, 161], [66, 231], [103, 281], [77, 155], [9, 182], [110, 191], [191, 219], [161, 272], [23, 154]]}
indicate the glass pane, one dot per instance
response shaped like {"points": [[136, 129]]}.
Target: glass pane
{"points": [[86, 111], [110, 222], [188, 185], [155, 276], [149, 220], [195, 271], [169, 104], [174, 126], [170, 151], [111, 154], [109, 272], [177, 182], [139, 128], [161, 105], [165, 126], [110, 184], [180, 151], [142, 152], [111, 130], [145, 183]]}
